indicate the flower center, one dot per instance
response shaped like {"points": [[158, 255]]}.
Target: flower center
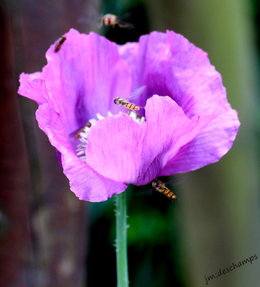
{"points": [[82, 134]]}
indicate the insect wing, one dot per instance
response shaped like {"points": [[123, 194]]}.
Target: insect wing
{"points": [[125, 25], [123, 21], [136, 93]]}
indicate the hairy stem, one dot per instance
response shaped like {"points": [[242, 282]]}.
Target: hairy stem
{"points": [[121, 240]]}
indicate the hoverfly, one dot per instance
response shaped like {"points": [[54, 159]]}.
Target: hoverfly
{"points": [[77, 133], [158, 185], [126, 104], [61, 40], [114, 21], [161, 187]]}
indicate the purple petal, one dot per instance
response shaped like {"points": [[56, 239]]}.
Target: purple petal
{"points": [[115, 147], [168, 64], [33, 86], [208, 147], [79, 80], [125, 151], [85, 183], [84, 77], [169, 129]]}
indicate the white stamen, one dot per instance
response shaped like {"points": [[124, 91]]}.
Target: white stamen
{"points": [[136, 117], [99, 116], [83, 135], [141, 120]]}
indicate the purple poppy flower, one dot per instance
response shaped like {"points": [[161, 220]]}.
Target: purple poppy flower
{"points": [[186, 121]]}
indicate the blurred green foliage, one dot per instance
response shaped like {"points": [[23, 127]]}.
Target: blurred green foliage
{"points": [[153, 240]]}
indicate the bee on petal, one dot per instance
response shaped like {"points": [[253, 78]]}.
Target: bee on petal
{"points": [[114, 21], [60, 42], [160, 186], [126, 103]]}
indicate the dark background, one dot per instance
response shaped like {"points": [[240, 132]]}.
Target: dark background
{"points": [[50, 238]]}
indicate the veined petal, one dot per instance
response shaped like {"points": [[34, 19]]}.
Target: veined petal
{"points": [[168, 130], [208, 147], [84, 77], [33, 86], [168, 64], [81, 79], [115, 147], [85, 182], [125, 151]]}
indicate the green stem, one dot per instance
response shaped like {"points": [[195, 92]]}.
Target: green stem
{"points": [[121, 240]]}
